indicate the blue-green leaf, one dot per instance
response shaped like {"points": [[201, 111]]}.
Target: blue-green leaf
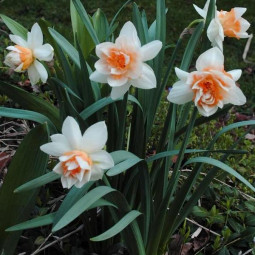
{"points": [[118, 227], [222, 166], [27, 115], [66, 46], [34, 223], [82, 205], [31, 102], [38, 182], [26, 164], [15, 27], [123, 166], [86, 20]]}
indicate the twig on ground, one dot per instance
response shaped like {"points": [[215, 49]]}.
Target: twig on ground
{"points": [[45, 240], [56, 241], [247, 252], [207, 229]]}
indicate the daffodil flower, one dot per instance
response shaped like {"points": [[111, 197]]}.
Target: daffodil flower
{"points": [[230, 24], [25, 55], [121, 64], [81, 157], [210, 86]]}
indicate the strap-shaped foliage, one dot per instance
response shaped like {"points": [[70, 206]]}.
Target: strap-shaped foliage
{"points": [[15, 27], [31, 102], [26, 164]]}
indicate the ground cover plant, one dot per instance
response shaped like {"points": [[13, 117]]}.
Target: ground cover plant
{"points": [[122, 197]]}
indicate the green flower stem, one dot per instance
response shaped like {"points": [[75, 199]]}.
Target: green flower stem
{"points": [[194, 22], [159, 222], [122, 124]]}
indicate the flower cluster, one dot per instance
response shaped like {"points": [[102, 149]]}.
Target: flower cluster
{"points": [[122, 64], [211, 86]]}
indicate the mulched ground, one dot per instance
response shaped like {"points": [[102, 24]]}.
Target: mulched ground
{"points": [[12, 133]]}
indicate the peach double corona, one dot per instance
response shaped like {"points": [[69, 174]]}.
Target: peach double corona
{"points": [[210, 86], [25, 55], [81, 157], [230, 24], [121, 64]]}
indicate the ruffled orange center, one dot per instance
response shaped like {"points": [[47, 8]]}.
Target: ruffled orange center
{"points": [[71, 166], [120, 62], [118, 59], [212, 93], [230, 24], [26, 56]]}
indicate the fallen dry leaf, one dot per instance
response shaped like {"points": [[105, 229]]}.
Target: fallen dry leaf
{"points": [[250, 137], [187, 249], [4, 160]]}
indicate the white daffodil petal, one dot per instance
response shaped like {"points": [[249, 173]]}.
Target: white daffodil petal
{"points": [[218, 43], [64, 182], [13, 60], [82, 163], [200, 11], [220, 104], [212, 58], [242, 35], [96, 173], [215, 33], [208, 112], [118, 92], [239, 11], [102, 49], [44, 52], [18, 40], [80, 175], [151, 50], [41, 71], [54, 149], [65, 157], [181, 93], [102, 159], [244, 24], [236, 74], [19, 68], [59, 138], [85, 179], [33, 74], [182, 75], [35, 37], [72, 132], [98, 77], [70, 182], [235, 96], [102, 67], [223, 79], [95, 137], [58, 168], [71, 165], [147, 80], [129, 31], [117, 82], [13, 48]]}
